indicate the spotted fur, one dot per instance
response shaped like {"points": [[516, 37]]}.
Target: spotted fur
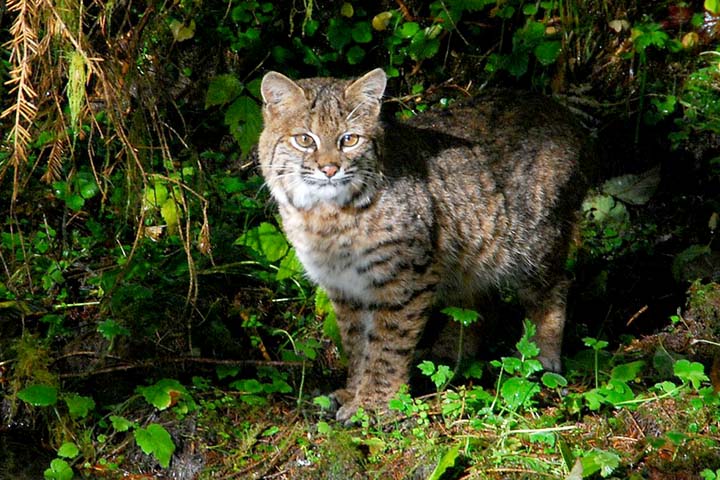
{"points": [[436, 210]]}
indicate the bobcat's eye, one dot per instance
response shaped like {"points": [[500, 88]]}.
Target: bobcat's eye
{"points": [[349, 140], [303, 141]]}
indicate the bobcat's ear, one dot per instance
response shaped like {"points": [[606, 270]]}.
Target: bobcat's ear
{"points": [[370, 86], [276, 88]]}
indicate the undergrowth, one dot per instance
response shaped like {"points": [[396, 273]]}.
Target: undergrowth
{"points": [[155, 321]]}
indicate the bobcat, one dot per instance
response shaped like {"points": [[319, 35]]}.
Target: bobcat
{"points": [[393, 219]]}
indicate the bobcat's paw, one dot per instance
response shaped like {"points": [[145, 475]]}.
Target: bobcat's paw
{"points": [[345, 413], [341, 396], [551, 363]]}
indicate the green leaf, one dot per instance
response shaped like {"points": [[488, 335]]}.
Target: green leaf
{"points": [[68, 450], [594, 398], [324, 307], [110, 329], [518, 391], [39, 395], [74, 202], [222, 89], [708, 474], [323, 428], [155, 440], [247, 386], [347, 10], [547, 52], [422, 46], [517, 63], [627, 372], [599, 460], [685, 260], [594, 343], [88, 188], [254, 400], [617, 391], [155, 195], [78, 405], [511, 364], [182, 32], [553, 380], [531, 35], [59, 470], [506, 12], [170, 214], [442, 375], [322, 401], [464, 316], [427, 367], [266, 240], [355, 55], [650, 34], [244, 119], [225, 371], [121, 424], [712, 6], [408, 29], [339, 33], [634, 189], [163, 394], [474, 370], [447, 461], [693, 372], [530, 9], [525, 345], [381, 21], [362, 32]]}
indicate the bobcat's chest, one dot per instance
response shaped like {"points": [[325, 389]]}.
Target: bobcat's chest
{"points": [[337, 271], [336, 252]]}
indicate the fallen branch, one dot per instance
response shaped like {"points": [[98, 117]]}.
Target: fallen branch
{"points": [[160, 361]]}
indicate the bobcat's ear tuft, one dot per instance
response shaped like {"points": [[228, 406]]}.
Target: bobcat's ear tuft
{"points": [[370, 86], [276, 88]]}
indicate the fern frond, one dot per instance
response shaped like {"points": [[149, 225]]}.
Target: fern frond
{"points": [[55, 160], [23, 48]]}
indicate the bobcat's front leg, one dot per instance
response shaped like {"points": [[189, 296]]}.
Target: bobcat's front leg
{"points": [[380, 343], [352, 324]]}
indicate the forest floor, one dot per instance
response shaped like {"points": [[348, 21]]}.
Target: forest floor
{"points": [[646, 410]]}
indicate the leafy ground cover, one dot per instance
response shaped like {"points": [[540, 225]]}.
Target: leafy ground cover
{"points": [[155, 323]]}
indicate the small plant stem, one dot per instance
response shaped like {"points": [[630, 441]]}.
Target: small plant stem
{"points": [[565, 428], [597, 385], [302, 371], [636, 401], [642, 70], [709, 342], [63, 306]]}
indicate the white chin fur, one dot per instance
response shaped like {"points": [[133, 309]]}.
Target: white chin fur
{"points": [[306, 196]]}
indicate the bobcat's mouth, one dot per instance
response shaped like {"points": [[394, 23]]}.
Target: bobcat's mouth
{"points": [[319, 179]]}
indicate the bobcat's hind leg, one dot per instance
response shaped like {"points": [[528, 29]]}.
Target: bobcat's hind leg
{"points": [[546, 308]]}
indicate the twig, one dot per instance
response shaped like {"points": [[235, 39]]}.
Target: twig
{"points": [[544, 430], [637, 314], [519, 470], [405, 11]]}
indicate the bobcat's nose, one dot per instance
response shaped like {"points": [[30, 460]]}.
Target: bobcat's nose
{"points": [[330, 170]]}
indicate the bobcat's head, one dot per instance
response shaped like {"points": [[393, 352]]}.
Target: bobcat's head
{"points": [[321, 139]]}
